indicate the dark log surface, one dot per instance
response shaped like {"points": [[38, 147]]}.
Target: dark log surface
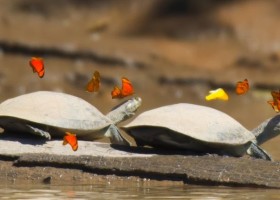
{"points": [[103, 159]]}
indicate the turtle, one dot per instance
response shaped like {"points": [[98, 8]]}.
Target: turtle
{"points": [[50, 114], [196, 128]]}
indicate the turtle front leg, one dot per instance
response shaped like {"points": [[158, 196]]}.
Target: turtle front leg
{"points": [[115, 136], [39, 132], [257, 152]]}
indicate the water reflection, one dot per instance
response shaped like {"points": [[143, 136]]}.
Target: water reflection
{"points": [[139, 192]]}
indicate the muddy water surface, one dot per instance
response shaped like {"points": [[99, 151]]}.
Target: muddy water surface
{"points": [[134, 191]]}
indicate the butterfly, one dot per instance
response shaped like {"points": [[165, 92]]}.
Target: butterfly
{"points": [[94, 84], [217, 94], [242, 87], [275, 103], [37, 65], [127, 89], [71, 139]]}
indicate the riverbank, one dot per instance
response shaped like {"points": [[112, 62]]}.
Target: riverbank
{"points": [[53, 163]]}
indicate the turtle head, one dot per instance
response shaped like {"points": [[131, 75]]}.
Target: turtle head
{"points": [[125, 110], [132, 105], [267, 130]]}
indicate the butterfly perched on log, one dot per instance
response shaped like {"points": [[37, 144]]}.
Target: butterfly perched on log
{"points": [[126, 90], [242, 87], [94, 84], [71, 139], [275, 102], [217, 94], [37, 65]]}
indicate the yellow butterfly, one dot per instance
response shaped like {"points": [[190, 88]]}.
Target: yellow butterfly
{"points": [[217, 94]]}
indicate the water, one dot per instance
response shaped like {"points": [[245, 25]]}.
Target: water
{"points": [[112, 192]]}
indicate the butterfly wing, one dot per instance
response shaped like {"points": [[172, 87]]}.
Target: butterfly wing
{"points": [[242, 87], [116, 93], [275, 95], [71, 139], [94, 84], [37, 64], [127, 88], [275, 103], [90, 86], [273, 106], [41, 73], [217, 94]]}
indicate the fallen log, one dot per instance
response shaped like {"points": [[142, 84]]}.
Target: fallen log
{"points": [[105, 159]]}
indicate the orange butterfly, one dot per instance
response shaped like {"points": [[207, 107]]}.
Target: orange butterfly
{"points": [[127, 89], [242, 87], [94, 84], [71, 139], [275, 103], [37, 65]]}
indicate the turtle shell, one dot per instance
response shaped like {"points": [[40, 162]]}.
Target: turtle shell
{"points": [[54, 109], [198, 122]]}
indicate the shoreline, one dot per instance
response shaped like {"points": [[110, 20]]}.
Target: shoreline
{"points": [[51, 163]]}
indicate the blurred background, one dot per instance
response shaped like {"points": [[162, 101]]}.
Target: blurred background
{"points": [[172, 51]]}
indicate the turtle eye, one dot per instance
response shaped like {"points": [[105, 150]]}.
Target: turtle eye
{"points": [[134, 104], [138, 100], [130, 106]]}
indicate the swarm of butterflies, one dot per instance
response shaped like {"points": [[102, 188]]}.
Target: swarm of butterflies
{"points": [[242, 87], [37, 65]]}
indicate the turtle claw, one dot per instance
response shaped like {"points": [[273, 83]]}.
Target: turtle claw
{"points": [[115, 136], [258, 152], [40, 132]]}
